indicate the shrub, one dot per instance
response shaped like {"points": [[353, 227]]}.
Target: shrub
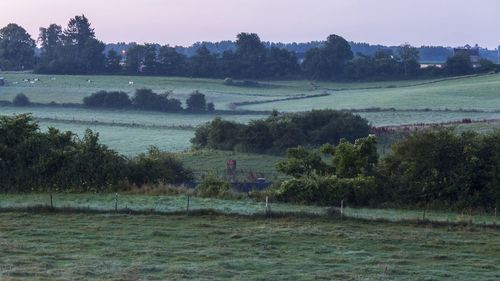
{"points": [[156, 167], [212, 186], [108, 100], [196, 102], [21, 100], [327, 190]]}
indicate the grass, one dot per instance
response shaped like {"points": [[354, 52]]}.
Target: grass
{"points": [[480, 92], [151, 247]]}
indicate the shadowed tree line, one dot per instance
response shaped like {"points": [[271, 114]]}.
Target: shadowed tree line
{"points": [[76, 50]]}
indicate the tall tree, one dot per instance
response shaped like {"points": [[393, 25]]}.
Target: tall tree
{"points": [[170, 62], [16, 48], [251, 53], [409, 56], [328, 62]]}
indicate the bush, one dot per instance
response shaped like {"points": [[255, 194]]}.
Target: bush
{"points": [[196, 102], [146, 99], [212, 186], [157, 167], [21, 100], [327, 190], [108, 100]]}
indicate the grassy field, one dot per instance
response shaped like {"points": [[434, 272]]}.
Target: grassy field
{"points": [[481, 92], [123, 247]]}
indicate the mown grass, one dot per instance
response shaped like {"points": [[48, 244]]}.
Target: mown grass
{"points": [[151, 247]]}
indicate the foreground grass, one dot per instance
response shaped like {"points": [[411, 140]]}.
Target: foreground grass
{"points": [[121, 247]]}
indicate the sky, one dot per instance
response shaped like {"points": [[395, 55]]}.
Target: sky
{"points": [[184, 22]]}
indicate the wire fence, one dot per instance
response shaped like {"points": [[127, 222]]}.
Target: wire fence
{"points": [[187, 204]]}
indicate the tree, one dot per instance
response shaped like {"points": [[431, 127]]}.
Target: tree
{"points": [[251, 54], [17, 48], [21, 100], [170, 62], [113, 62], [203, 64], [459, 64], [328, 61], [51, 40], [196, 102], [409, 56]]}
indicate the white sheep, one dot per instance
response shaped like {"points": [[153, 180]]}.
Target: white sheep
{"points": [[131, 83]]}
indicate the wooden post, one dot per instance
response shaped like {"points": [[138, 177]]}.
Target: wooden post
{"points": [[51, 201], [187, 207], [495, 223], [116, 202], [342, 209]]}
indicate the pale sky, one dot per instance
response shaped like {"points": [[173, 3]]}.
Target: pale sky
{"points": [[183, 22]]}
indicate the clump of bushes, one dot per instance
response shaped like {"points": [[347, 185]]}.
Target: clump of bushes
{"points": [[146, 99], [277, 133], [31, 160], [108, 100], [212, 186], [244, 83]]}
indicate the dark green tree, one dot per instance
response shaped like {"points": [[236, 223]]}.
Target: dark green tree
{"points": [[17, 48]]}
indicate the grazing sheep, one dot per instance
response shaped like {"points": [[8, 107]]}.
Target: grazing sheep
{"points": [[32, 82], [130, 83], [88, 81], [36, 79], [53, 79]]}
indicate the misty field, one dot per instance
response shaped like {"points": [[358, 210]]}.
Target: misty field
{"points": [[153, 247]]}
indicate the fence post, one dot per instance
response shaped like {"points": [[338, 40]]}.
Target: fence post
{"points": [[342, 209], [51, 201], [268, 207], [187, 207], [495, 223], [116, 202]]}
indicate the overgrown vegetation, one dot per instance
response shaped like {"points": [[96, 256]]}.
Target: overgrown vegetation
{"points": [[429, 169]]}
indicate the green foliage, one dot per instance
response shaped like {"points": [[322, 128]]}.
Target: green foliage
{"points": [[328, 62], [278, 133], [31, 160], [21, 100], [157, 167], [459, 64], [302, 162], [108, 100], [74, 50], [16, 48], [212, 186], [146, 99], [441, 168], [352, 160], [196, 102], [327, 190]]}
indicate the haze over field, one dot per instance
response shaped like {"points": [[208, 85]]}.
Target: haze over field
{"points": [[183, 22]]}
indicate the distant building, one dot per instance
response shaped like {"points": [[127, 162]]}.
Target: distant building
{"points": [[472, 52]]}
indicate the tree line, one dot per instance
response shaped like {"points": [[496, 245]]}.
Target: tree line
{"points": [[76, 50], [280, 132], [146, 99], [31, 160], [434, 168]]}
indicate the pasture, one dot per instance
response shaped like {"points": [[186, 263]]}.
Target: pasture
{"points": [[477, 92], [176, 247]]}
